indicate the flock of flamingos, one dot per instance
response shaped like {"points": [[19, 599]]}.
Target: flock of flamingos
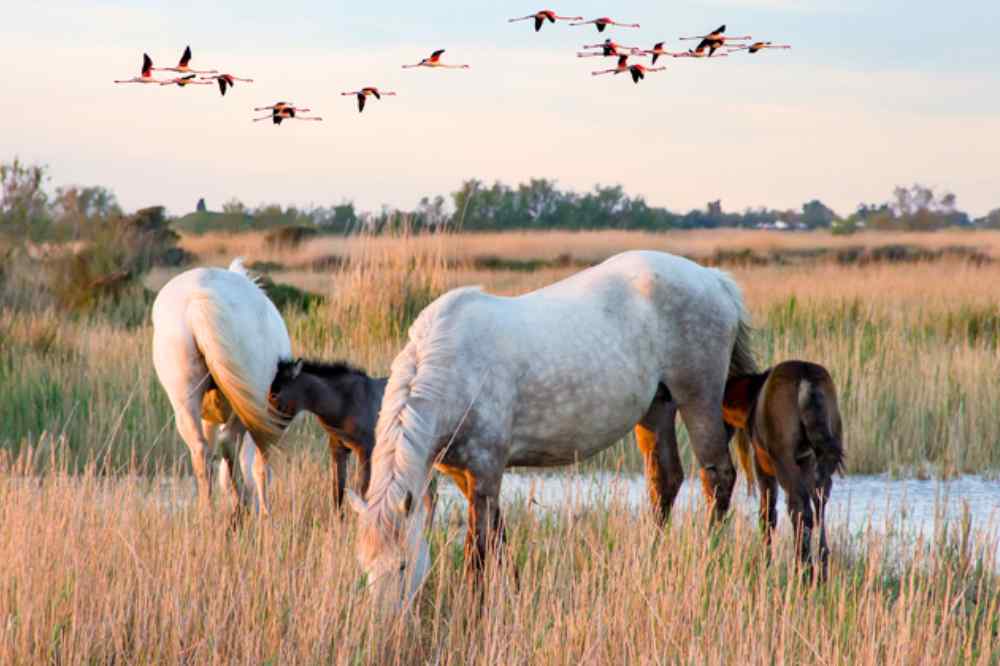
{"points": [[708, 46]]}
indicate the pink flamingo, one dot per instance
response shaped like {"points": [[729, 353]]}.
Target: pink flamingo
{"points": [[758, 46], [147, 73], [622, 66], [545, 15], [284, 111], [639, 72], [699, 52], [714, 40], [225, 81], [364, 93], [658, 51], [607, 48], [435, 61], [604, 22], [183, 65], [188, 80]]}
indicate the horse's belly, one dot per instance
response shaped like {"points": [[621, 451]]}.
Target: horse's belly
{"points": [[558, 435]]}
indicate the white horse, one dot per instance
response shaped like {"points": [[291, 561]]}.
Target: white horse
{"points": [[217, 339], [549, 378]]}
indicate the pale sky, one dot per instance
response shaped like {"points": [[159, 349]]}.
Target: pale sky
{"points": [[872, 95]]}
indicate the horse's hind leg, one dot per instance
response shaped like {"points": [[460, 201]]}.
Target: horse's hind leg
{"points": [[767, 486], [229, 464], [188, 418], [710, 442], [793, 478], [821, 496], [657, 439]]}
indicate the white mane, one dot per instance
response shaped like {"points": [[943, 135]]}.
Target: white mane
{"points": [[406, 434]]}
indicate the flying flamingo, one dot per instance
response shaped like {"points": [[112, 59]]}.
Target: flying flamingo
{"points": [[604, 22], [607, 48], [183, 66], [657, 51], [225, 81], [622, 66], [759, 46], [363, 94], [188, 80], [284, 111], [147, 73], [545, 15], [639, 72], [714, 40], [699, 52], [435, 61]]}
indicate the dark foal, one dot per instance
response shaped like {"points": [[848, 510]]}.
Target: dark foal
{"points": [[346, 402], [788, 422]]}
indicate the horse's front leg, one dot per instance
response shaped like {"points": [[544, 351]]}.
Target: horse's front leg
{"points": [[657, 439], [338, 470], [487, 533]]}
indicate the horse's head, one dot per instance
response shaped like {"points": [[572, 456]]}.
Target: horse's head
{"points": [[392, 549], [285, 394]]}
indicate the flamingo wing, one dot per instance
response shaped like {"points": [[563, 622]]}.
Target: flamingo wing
{"points": [[539, 21], [222, 85], [600, 26], [718, 31], [147, 65], [436, 55], [702, 45], [185, 58], [361, 102]]}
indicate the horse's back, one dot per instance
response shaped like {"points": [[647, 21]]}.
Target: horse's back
{"points": [[800, 400]]}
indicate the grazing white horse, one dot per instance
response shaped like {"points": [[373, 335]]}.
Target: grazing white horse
{"points": [[549, 378], [217, 339]]}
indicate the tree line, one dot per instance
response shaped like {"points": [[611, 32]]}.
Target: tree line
{"points": [[30, 208]]}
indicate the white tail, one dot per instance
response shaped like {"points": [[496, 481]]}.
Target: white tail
{"points": [[214, 333]]}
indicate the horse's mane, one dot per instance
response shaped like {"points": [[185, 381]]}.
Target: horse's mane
{"points": [[404, 436], [323, 369]]}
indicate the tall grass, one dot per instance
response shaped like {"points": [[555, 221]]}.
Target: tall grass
{"points": [[125, 570], [913, 349]]}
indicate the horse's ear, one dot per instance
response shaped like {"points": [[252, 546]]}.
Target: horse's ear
{"points": [[406, 505], [356, 501], [297, 368]]}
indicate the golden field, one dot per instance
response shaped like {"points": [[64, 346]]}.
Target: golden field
{"points": [[105, 561]]}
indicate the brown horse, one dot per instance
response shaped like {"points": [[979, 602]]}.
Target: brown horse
{"points": [[789, 415], [346, 402]]}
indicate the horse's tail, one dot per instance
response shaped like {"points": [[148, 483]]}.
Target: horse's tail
{"points": [[217, 335], [742, 361], [744, 454], [818, 411]]}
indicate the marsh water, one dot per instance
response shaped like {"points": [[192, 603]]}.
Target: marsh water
{"points": [[904, 507]]}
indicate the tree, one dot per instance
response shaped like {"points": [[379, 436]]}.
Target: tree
{"points": [[76, 208], [23, 201], [200, 206], [234, 207], [815, 214]]}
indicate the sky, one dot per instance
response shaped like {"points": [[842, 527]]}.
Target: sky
{"points": [[872, 95]]}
